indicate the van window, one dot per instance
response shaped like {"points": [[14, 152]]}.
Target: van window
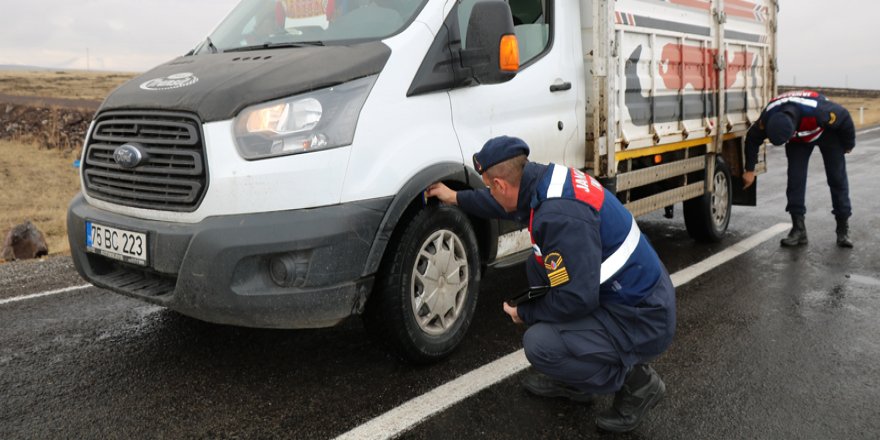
{"points": [[259, 23], [531, 23]]}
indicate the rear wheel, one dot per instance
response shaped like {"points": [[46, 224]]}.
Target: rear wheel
{"points": [[708, 216], [427, 286]]}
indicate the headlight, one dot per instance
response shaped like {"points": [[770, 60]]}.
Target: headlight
{"points": [[312, 121]]}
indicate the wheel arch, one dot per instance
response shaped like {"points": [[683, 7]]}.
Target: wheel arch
{"points": [[409, 200]]}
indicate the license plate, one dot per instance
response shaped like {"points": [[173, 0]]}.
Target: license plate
{"points": [[119, 244]]}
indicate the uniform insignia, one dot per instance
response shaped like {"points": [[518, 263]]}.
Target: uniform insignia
{"points": [[477, 165], [556, 271], [832, 118]]}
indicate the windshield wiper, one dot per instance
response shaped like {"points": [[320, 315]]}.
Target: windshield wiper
{"points": [[276, 46], [297, 44]]}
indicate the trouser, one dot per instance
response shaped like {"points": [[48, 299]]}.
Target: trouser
{"points": [[596, 367], [585, 354], [835, 170]]}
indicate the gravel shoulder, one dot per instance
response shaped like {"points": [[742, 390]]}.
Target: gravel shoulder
{"points": [[27, 277]]}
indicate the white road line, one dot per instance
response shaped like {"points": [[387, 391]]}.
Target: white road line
{"points": [[406, 416], [859, 133], [419, 409], [39, 295], [687, 274]]}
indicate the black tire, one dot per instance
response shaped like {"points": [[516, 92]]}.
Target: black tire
{"points": [[707, 217], [437, 240]]}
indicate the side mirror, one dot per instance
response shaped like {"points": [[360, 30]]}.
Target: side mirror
{"points": [[491, 51]]}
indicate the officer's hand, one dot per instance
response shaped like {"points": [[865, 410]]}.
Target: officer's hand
{"points": [[514, 315], [442, 192], [748, 178]]}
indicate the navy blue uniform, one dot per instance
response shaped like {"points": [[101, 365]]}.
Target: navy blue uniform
{"points": [[818, 122], [611, 304]]}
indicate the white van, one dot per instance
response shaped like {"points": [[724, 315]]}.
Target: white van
{"points": [[274, 176]]}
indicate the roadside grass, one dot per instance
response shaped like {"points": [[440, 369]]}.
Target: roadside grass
{"points": [[61, 84], [37, 185]]}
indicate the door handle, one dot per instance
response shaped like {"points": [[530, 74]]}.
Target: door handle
{"points": [[560, 87]]}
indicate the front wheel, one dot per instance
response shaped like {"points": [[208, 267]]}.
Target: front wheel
{"points": [[427, 286], [707, 217]]}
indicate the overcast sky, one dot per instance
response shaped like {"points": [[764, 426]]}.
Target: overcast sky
{"points": [[821, 43]]}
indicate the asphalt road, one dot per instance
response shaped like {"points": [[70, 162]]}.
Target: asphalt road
{"points": [[777, 343]]}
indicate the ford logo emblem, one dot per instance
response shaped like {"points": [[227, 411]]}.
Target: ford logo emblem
{"points": [[129, 155]]}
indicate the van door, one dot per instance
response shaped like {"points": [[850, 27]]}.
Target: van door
{"points": [[544, 103]]}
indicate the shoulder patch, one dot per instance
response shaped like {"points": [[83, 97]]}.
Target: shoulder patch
{"points": [[832, 118], [556, 271]]}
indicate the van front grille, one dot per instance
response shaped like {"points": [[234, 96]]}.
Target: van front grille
{"points": [[170, 176]]}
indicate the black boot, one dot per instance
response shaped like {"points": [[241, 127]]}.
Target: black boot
{"points": [[542, 385], [798, 234], [843, 233], [641, 391]]}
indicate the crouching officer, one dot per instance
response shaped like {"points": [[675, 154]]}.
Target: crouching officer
{"points": [[611, 305], [801, 120]]}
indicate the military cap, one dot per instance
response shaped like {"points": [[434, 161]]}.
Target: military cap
{"points": [[497, 150], [780, 128]]}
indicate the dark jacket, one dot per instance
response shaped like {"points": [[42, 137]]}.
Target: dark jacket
{"points": [[636, 305], [818, 120]]}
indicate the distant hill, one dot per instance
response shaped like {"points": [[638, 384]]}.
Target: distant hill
{"points": [[834, 91], [20, 67]]}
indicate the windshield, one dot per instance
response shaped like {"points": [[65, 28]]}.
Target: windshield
{"points": [[268, 23]]}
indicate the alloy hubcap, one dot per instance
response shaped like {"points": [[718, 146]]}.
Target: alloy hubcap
{"points": [[719, 200], [439, 282]]}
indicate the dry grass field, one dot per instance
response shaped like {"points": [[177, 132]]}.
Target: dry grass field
{"points": [[67, 85], [37, 184], [871, 113]]}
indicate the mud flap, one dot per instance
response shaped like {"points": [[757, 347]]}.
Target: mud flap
{"points": [[744, 197]]}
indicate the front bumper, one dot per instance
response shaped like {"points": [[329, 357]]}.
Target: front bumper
{"points": [[217, 270]]}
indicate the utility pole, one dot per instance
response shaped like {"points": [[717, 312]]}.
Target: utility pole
{"points": [[88, 63]]}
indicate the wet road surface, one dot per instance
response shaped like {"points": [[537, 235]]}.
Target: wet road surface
{"points": [[777, 343]]}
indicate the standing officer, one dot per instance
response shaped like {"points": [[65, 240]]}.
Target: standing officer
{"points": [[611, 305], [801, 120]]}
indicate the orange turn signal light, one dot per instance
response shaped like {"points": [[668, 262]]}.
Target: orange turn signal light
{"points": [[658, 158], [508, 58]]}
